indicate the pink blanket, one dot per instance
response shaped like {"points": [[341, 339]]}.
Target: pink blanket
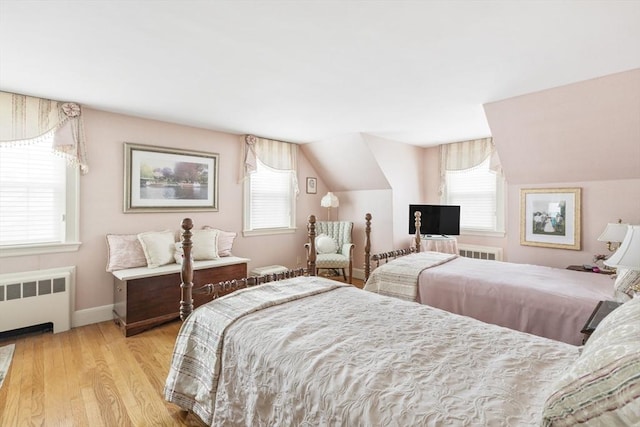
{"points": [[549, 302]]}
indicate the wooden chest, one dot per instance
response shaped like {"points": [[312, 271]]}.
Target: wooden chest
{"points": [[145, 297]]}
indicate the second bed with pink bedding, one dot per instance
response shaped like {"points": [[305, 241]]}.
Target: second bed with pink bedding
{"points": [[549, 302]]}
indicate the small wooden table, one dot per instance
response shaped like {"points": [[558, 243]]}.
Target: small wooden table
{"points": [[602, 310]]}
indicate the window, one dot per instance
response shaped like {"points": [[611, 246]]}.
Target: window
{"points": [[480, 194], [38, 200], [269, 201]]}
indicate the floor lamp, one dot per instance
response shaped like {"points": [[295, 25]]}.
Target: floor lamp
{"points": [[329, 201]]}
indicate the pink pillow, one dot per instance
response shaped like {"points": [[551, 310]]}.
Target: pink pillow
{"points": [[124, 251], [225, 241]]}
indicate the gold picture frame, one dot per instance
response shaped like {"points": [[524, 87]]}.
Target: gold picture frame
{"points": [[160, 179], [550, 217]]}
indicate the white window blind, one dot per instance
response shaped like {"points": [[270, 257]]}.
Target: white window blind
{"points": [[475, 191], [270, 199], [32, 195]]}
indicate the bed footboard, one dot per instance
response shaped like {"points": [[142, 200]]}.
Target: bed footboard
{"points": [[386, 256], [187, 290]]}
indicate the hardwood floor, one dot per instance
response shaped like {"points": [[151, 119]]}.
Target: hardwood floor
{"points": [[92, 376]]}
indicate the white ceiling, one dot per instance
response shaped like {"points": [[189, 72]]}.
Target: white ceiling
{"points": [[304, 71]]}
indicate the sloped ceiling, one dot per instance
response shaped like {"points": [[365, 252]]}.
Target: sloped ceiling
{"points": [[586, 131], [346, 163]]}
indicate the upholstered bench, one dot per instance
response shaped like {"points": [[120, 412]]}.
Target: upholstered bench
{"points": [[269, 269]]}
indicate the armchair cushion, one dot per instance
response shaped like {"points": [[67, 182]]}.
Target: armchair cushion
{"points": [[332, 261], [326, 245]]}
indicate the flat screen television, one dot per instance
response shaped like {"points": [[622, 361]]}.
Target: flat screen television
{"points": [[441, 220]]}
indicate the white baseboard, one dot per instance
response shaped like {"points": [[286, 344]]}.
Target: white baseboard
{"points": [[92, 315], [358, 273]]}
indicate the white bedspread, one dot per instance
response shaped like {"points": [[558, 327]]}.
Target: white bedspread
{"points": [[351, 358], [399, 277]]}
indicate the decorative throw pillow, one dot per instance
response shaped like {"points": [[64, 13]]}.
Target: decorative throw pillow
{"points": [[158, 247], [626, 281], [603, 386], [225, 241], [326, 245], [124, 251], [205, 246]]}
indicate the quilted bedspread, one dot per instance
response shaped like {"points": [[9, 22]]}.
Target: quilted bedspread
{"points": [[399, 278], [339, 356]]}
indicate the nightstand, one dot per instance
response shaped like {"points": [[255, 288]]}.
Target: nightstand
{"points": [[587, 270], [603, 308]]}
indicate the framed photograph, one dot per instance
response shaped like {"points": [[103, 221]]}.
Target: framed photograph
{"points": [[160, 179], [550, 217], [312, 185]]}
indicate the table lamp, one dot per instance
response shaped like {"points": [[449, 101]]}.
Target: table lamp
{"points": [[613, 234], [628, 254]]}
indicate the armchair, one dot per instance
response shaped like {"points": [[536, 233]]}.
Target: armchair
{"points": [[334, 246]]}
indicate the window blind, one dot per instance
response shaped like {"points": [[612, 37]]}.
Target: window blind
{"points": [[32, 195], [474, 190], [270, 198]]}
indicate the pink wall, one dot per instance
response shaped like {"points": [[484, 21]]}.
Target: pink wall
{"points": [[402, 174], [101, 203], [583, 135], [587, 131]]}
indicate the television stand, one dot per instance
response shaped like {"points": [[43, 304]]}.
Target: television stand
{"points": [[440, 243]]}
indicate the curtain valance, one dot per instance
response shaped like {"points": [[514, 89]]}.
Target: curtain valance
{"points": [[466, 155], [275, 154], [28, 120]]}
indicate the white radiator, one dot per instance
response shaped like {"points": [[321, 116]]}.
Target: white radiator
{"points": [[35, 297], [480, 252]]}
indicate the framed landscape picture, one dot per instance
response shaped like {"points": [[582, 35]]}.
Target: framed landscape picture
{"points": [[550, 217], [160, 179]]}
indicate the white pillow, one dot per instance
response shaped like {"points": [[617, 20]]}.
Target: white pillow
{"points": [[158, 247], [326, 245], [225, 240], [602, 387], [205, 246]]}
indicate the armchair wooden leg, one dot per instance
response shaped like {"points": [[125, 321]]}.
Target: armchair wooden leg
{"points": [[344, 275]]}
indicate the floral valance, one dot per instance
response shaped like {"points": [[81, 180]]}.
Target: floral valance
{"points": [[28, 120]]}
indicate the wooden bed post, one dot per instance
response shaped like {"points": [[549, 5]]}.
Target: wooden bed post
{"points": [[367, 247], [417, 216], [311, 246], [186, 287]]}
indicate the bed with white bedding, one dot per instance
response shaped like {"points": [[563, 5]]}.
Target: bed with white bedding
{"points": [[311, 351], [328, 354]]}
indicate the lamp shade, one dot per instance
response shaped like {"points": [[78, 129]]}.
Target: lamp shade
{"points": [[614, 232], [628, 254], [330, 200]]}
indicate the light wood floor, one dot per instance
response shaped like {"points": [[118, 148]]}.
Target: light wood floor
{"points": [[92, 376]]}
